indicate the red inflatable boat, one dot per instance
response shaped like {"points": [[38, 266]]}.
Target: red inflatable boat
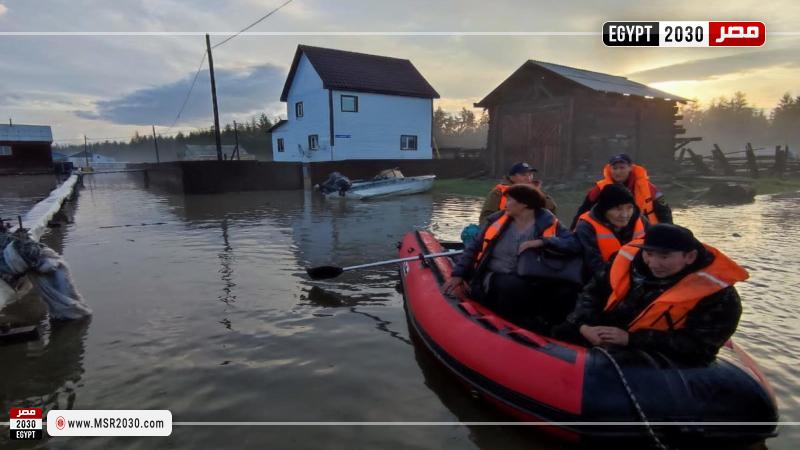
{"points": [[538, 379]]}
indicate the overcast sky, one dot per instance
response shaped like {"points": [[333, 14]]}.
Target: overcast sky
{"points": [[111, 86]]}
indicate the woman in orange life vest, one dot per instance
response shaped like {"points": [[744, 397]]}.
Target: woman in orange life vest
{"points": [[520, 173], [669, 294], [489, 263], [621, 170], [612, 222]]}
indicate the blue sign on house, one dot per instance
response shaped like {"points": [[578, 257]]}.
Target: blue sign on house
{"points": [[344, 136]]}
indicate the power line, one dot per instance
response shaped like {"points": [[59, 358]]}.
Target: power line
{"points": [[205, 54], [253, 24], [188, 94]]}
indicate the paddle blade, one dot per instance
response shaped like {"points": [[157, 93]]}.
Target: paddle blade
{"points": [[323, 272]]}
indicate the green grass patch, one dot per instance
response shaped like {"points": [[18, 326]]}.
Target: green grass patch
{"points": [[465, 186], [774, 185]]}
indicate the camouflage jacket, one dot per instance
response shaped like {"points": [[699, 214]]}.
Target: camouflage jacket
{"points": [[707, 327]]}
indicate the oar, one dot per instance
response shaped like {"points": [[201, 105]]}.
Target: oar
{"points": [[324, 272]]}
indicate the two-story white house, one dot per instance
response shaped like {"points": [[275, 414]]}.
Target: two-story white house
{"points": [[345, 105]]}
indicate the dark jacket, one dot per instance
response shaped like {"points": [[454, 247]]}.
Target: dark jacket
{"points": [[584, 231], [707, 327], [491, 204], [660, 207], [564, 242]]}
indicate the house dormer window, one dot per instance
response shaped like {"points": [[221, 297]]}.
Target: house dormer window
{"points": [[349, 103], [313, 142], [298, 109], [408, 142]]}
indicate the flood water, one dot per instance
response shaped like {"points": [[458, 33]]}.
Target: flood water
{"points": [[202, 306]]}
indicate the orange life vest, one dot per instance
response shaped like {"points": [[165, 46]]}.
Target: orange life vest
{"points": [[641, 189], [496, 228], [606, 241], [670, 309], [502, 188]]}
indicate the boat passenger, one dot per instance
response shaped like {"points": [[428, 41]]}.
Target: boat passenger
{"points": [[669, 294], [621, 170], [489, 263], [612, 222], [520, 173]]}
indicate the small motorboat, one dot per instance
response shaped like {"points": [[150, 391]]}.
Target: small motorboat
{"points": [[388, 183], [580, 394]]}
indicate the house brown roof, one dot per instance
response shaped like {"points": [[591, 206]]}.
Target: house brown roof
{"points": [[350, 71]]}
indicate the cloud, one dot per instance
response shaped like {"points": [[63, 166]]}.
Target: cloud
{"points": [[3, 9], [710, 68], [240, 91]]}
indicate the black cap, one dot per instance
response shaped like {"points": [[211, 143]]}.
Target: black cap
{"points": [[666, 237], [521, 167], [613, 195], [622, 157]]}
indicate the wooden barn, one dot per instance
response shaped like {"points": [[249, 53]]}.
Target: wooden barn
{"points": [[560, 119], [25, 148]]}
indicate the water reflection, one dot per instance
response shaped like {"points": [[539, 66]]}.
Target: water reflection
{"points": [[226, 262], [47, 371]]}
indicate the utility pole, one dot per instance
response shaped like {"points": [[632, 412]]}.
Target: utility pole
{"points": [[155, 142], [236, 140], [214, 98], [86, 150]]}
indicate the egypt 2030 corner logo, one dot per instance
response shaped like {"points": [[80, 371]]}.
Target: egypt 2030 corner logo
{"points": [[684, 34], [25, 423]]}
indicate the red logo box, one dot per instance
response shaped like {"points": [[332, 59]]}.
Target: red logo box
{"points": [[26, 413], [736, 34]]}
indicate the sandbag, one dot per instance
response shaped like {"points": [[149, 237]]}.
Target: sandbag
{"points": [[47, 272]]}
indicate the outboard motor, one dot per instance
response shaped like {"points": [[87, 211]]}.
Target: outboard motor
{"points": [[335, 182]]}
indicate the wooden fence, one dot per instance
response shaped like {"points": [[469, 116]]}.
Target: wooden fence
{"points": [[739, 163]]}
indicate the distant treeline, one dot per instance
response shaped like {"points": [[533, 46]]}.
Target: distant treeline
{"points": [[460, 130], [732, 122], [253, 137], [729, 122]]}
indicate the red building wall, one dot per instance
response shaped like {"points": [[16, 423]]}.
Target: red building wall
{"points": [[27, 156]]}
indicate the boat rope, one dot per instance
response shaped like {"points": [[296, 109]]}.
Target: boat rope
{"points": [[635, 402]]}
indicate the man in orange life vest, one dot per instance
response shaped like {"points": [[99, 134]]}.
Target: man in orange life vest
{"points": [[621, 169], [612, 222], [669, 294], [520, 173]]}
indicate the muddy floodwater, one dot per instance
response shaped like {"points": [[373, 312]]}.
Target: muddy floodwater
{"points": [[202, 306]]}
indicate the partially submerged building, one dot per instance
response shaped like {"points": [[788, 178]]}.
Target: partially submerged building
{"points": [[560, 118], [344, 105], [25, 148]]}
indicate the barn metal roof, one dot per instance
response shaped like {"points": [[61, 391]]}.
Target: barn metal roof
{"points": [[596, 81], [604, 82], [26, 133]]}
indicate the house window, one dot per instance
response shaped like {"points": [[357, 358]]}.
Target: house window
{"points": [[349, 103], [408, 142], [280, 145], [298, 109], [313, 142], [5, 150]]}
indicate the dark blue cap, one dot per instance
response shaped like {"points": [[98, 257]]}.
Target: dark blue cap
{"points": [[521, 167], [666, 237], [622, 157]]}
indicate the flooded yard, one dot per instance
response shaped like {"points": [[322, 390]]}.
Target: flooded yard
{"points": [[202, 306]]}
